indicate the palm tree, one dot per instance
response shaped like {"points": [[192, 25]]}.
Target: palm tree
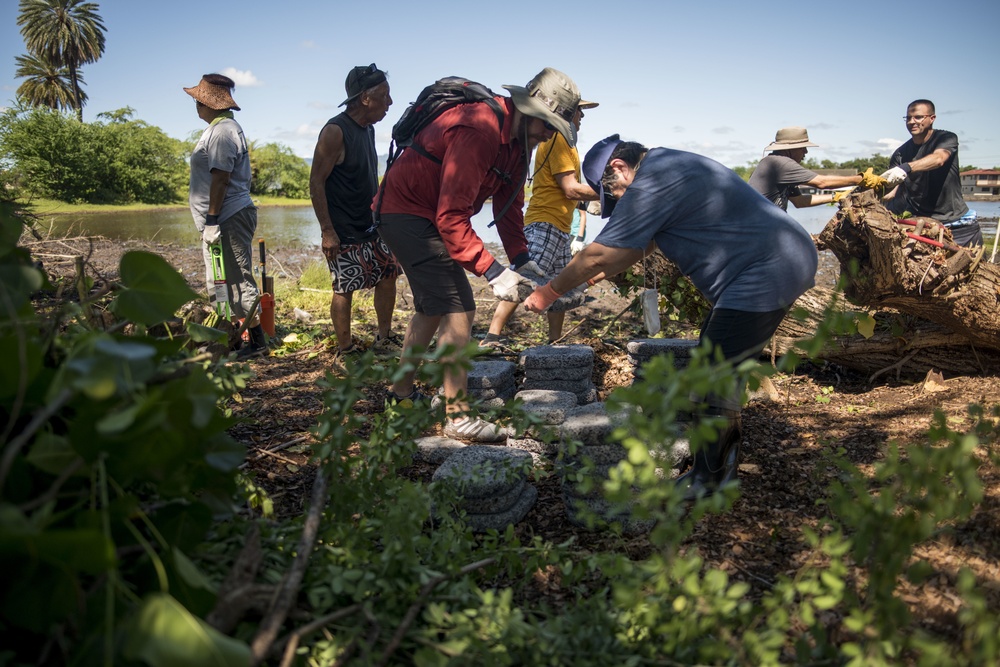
{"points": [[64, 33], [46, 85]]}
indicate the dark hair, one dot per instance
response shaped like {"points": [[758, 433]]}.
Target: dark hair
{"points": [[219, 80], [630, 152], [927, 102]]}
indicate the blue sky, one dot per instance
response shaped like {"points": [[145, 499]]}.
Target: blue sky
{"points": [[716, 78]]}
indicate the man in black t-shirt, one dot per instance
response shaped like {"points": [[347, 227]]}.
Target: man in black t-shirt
{"points": [[925, 169]]}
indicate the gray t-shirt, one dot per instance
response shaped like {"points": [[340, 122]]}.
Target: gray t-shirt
{"points": [[778, 178], [738, 249], [222, 146]]}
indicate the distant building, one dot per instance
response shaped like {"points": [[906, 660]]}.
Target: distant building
{"points": [[981, 183]]}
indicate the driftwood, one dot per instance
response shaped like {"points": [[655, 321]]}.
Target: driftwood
{"points": [[947, 285]]}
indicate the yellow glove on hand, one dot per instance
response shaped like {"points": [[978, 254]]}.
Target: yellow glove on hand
{"points": [[839, 194], [870, 181]]}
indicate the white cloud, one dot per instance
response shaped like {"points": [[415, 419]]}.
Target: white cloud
{"points": [[245, 79], [308, 44], [322, 106]]}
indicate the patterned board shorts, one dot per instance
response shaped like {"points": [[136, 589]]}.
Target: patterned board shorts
{"points": [[362, 265], [548, 247]]}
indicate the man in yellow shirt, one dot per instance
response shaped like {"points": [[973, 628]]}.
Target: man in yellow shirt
{"points": [[556, 190]]}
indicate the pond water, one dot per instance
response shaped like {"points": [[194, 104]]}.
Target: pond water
{"points": [[297, 226]]}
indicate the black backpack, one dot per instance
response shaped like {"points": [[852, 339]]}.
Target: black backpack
{"points": [[433, 101]]}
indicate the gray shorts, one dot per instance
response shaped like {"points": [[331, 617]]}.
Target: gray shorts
{"points": [[438, 283], [548, 246]]}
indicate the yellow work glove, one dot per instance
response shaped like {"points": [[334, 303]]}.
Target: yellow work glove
{"points": [[839, 194], [870, 181]]}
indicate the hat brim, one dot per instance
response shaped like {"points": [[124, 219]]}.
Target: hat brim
{"points": [[531, 106], [775, 146], [584, 104], [593, 167], [199, 93]]}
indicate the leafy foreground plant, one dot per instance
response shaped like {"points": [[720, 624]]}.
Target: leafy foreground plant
{"points": [[117, 487], [115, 464]]}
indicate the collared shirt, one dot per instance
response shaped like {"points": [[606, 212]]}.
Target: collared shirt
{"points": [[478, 160]]}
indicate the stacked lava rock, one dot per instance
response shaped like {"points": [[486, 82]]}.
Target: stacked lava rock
{"points": [[560, 368], [490, 382], [490, 484], [549, 409], [642, 350], [587, 456]]}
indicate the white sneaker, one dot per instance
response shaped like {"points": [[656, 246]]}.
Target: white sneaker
{"points": [[474, 429]]}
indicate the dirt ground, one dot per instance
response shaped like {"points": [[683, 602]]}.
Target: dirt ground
{"points": [[817, 410]]}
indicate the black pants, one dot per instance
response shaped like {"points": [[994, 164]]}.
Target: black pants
{"points": [[740, 335]]}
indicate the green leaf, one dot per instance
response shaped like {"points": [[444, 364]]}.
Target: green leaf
{"points": [[190, 573], [201, 334], [52, 453], [154, 289], [165, 634], [116, 422]]}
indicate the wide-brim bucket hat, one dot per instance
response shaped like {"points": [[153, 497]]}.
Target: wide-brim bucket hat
{"points": [[550, 96], [594, 164], [213, 96], [788, 138]]}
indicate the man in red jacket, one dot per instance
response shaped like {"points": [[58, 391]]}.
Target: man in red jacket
{"points": [[426, 214]]}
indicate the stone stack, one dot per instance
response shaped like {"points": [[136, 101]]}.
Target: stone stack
{"points": [[560, 368], [642, 350], [588, 452], [490, 484], [490, 382], [549, 407], [591, 458]]}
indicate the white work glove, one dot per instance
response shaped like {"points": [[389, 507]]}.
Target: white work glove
{"points": [[576, 245], [896, 175], [211, 234], [509, 286], [530, 267]]}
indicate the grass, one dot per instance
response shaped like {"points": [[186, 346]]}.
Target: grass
{"points": [[53, 207]]}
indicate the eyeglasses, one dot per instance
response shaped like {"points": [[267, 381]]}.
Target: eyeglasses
{"points": [[919, 119]]}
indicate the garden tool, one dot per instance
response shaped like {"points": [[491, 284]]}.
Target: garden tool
{"points": [[266, 294], [219, 278]]}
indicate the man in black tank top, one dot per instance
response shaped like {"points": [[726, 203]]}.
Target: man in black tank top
{"points": [[342, 183]]}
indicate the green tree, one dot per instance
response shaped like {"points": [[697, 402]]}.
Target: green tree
{"points": [[65, 33], [278, 171], [877, 162], [46, 85], [744, 171], [115, 160]]}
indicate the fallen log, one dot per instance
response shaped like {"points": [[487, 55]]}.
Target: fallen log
{"points": [[888, 266]]}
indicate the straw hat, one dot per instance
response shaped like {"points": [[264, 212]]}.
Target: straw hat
{"points": [[788, 138], [213, 95], [550, 96]]}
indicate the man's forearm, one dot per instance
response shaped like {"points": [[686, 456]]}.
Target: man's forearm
{"points": [[594, 260]]}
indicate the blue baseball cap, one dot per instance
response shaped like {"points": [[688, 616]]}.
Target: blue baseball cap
{"points": [[594, 164]]}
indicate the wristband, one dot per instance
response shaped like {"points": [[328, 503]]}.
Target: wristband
{"points": [[211, 219], [549, 292], [519, 261], [906, 167], [580, 238], [496, 268]]}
